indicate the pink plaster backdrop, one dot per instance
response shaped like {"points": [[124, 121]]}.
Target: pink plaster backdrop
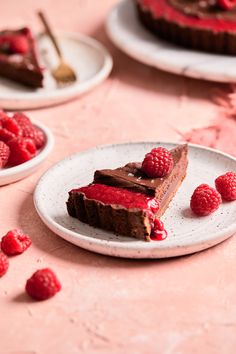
{"points": [[184, 305]]}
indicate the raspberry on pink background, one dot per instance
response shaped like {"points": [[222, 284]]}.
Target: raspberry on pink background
{"points": [[205, 200], [226, 186], [4, 264], [157, 163], [15, 242], [43, 284]]}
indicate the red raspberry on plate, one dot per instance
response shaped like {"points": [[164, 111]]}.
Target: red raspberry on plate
{"points": [[4, 264], [15, 242], [29, 130], [157, 163], [226, 4], [18, 44], [4, 154], [226, 186], [21, 150], [43, 284], [205, 200], [9, 129]]}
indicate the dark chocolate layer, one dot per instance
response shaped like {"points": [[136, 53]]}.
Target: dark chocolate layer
{"points": [[131, 176]]}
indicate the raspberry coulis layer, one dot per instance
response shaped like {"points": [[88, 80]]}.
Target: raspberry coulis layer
{"points": [[121, 197], [162, 9]]}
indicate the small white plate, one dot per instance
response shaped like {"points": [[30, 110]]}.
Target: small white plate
{"points": [[127, 33], [186, 233], [89, 58], [13, 174]]}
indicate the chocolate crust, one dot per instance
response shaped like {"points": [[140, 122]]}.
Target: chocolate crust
{"points": [[200, 39], [127, 222]]}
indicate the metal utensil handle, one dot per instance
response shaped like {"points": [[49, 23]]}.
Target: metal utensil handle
{"points": [[49, 32]]}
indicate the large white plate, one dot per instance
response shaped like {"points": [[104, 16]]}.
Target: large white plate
{"points": [[89, 58], [127, 33], [187, 233], [15, 173]]}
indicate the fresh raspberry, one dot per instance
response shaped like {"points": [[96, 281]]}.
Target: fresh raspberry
{"points": [[4, 264], [4, 153], [9, 129], [22, 119], [29, 130], [157, 163], [226, 4], [226, 186], [21, 150], [35, 134], [2, 114], [19, 44], [15, 242], [205, 200], [43, 284]]}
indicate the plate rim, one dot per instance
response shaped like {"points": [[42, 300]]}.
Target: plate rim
{"points": [[68, 92], [111, 244], [173, 68]]}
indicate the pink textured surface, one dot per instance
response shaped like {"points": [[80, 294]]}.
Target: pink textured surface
{"points": [[184, 305]]}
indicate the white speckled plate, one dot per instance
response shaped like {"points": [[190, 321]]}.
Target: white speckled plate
{"points": [[127, 33], [89, 58], [187, 233], [16, 173]]}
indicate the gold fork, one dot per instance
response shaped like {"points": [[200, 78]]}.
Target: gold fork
{"points": [[63, 73]]}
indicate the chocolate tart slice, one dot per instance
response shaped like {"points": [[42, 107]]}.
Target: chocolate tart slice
{"points": [[18, 58], [126, 201], [203, 25], [114, 209], [132, 178]]}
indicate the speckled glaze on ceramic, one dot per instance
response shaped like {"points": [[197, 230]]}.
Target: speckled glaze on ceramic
{"points": [[186, 232], [12, 174], [127, 33], [89, 58]]}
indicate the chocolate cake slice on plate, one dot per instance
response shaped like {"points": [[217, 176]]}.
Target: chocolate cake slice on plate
{"points": [[18, 58], [125, 200]]}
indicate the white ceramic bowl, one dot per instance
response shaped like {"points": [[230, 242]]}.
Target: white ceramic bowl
{"points": [[13, 174]]}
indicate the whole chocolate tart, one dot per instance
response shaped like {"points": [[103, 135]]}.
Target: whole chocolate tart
{"points": [[18, 58], [206, 25], [125, 200]]}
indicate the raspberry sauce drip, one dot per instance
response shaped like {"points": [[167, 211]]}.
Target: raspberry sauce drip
{"points": [[158, 231]]}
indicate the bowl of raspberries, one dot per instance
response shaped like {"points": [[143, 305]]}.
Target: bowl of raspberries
{"points": [[24, 145]]}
